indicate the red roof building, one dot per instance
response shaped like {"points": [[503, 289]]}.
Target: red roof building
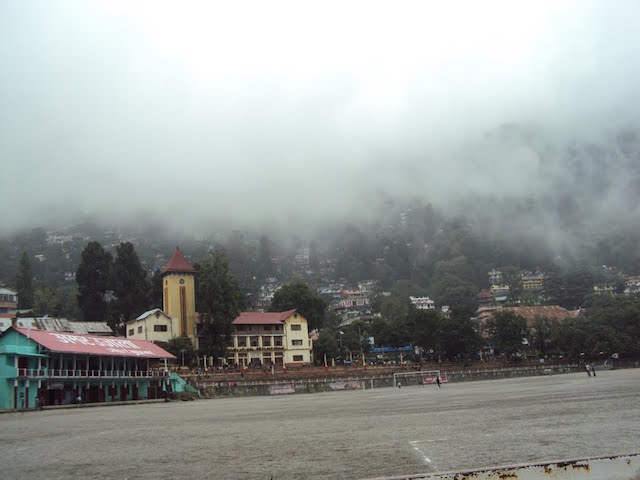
{"points": [[63, 342], [270, 338], [263, 318], [42, 367]]}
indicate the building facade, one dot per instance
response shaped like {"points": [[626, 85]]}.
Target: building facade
{"points": [[259, 338], [60, 368], [422, 303], [8, 303], [532, 281], [153, 326]]}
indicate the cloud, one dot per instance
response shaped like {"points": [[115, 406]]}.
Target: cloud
{"points": [[246, 113]]}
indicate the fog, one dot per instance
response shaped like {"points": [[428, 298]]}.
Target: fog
{"points": [[209, 115]]}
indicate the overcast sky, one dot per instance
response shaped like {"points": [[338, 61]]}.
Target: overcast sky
{"points": [[253, 111]]}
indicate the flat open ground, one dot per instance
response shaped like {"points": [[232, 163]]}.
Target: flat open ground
{"points": [[334, 435]]}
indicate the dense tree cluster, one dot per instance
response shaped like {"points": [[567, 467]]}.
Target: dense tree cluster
{"points": [[298, 295], [218, 302]]}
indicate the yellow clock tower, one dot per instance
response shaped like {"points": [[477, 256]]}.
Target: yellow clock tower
{"points": [[179, 296]]}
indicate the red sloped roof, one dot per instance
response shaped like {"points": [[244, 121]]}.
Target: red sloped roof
{"points": [[62, 342], [262, 318], [178, 264]]}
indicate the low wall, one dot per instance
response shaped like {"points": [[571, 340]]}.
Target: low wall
{"points": [[293, 386], [610, 467]]}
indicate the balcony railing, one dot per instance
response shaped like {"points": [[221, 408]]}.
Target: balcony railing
{"points": [[56, 373]]}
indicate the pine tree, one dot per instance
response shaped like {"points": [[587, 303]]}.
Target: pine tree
{"points": [[129, 283], [218, 300], [92, 277], [24, 283]]}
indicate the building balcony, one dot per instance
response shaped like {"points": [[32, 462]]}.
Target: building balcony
{"points": [[45, 373]]}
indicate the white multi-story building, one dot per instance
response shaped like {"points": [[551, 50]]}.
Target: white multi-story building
{"points": [[495, 276], [423, 303]]}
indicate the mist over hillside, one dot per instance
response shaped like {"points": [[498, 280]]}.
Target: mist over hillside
{"points": [[193, 124]]}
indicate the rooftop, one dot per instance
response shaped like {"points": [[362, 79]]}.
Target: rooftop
{"points": [[59, 342], [178, 263], [263, 318]]}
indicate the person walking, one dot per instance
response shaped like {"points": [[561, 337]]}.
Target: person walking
{"points": [[438, 381], [586, 367], [593, 368]]}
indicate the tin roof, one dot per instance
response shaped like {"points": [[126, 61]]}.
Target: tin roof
{"points": [[262, 318], [64, 325], [59, 342], [153, 311]]}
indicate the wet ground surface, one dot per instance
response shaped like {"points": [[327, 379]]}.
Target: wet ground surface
{"points": [[337, 435]]}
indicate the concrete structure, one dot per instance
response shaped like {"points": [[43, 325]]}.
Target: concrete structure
{"points": [[632, 285], [154, 326], [495, 276], [8, 303], [60, 367], [484, 297], [422, 303], [532, 281], [608, 467], [280, 338], [499, 290], [179, 297]]}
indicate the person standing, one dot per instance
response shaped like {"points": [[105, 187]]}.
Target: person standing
{"points": [[593, 368], [438, 381], [586, 367]]}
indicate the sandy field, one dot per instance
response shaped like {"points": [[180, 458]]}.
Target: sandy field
{"points": [[335, 435]]}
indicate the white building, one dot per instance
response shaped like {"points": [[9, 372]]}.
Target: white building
{"points": [[423, 303]]}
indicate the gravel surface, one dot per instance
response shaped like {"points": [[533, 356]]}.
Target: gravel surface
{"points": [[336, 435]]}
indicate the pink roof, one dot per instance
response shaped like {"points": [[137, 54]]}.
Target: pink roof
{"points": [[62, 342], [178, 264], [262, 318]]}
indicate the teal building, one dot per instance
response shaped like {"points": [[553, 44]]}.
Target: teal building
{"points": [[62, 368]]}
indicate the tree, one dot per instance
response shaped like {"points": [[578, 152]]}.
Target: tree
{"points": [[326, 344], [459, 338], [24, 283], [218, 301], [426, 328], [544, 334], [298, 295], [183, 349], [393, 308], [45, 300], [578, 284], [506, 330], [155, 290], [92, 277], [265, 264], [512, 277], [128, 280]]}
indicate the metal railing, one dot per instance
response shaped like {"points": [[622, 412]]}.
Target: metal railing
{"points": [[80, 373]]}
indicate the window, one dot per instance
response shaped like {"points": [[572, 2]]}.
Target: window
{"points": [[296, 343], [296, 326], [139, 329], [159, 328], [297, 358], [242, 341], [132, 332]]}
